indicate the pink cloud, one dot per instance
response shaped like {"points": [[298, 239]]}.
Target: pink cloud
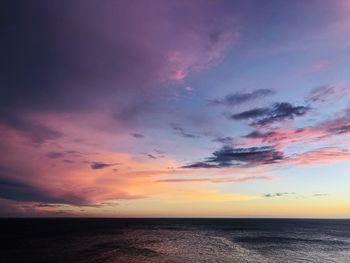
{"points": [[321, 66], [59, 171], [216, 180], [320, 157]]}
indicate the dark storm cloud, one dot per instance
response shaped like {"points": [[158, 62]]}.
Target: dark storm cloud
{"points": [[180, 131], [277, 112], [34, 130], [241, 157], [13, 189], [99, 165], [137, 135], [239, 98]]}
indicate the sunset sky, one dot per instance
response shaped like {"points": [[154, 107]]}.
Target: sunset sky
{"points": [[175, 108]]}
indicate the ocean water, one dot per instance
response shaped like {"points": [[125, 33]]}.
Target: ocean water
{"points": [[174, 240]]}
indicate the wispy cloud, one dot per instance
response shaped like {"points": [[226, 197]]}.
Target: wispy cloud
{"points": [[35, 131], [151, 156], [326, 93], [339, 124], [137, 135], [215, 180], [224, 140], [55, 155], [325, 155], [100, 165], [240, 98], [319, 194], [265, 136], [179, 130], [277, 194]]}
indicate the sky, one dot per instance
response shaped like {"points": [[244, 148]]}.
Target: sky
{"points": [[189, 108]]}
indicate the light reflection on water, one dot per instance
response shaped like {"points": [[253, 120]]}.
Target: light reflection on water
{"points": [[176, 240]]}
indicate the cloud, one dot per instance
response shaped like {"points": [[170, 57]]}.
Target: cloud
{"points": [[75, 153], [325, 155], [137, 135], [322, 66], [260, 135], [319, 194], [159, 152], [251, 114], [100, 165], [326, 93], [155, 155], [180, 131], [151, 156], [108, 204], [277, 194], [55, 155], [319, 94], [251, 155], [273, 195], [50, 205], [240, 98], [340, 129], [338, 124], [115, 63], [215, 180], [201, 165], [61, 69], [277, 112], [11, 208], [285, 135], [13, 189], [278, 136], [224, 140], [229, 156], [37, 132]]}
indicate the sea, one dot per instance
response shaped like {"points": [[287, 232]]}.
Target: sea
{"points": [[95, 240]]}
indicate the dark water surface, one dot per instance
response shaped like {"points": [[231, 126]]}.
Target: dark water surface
{"points": [[174, 240]]}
